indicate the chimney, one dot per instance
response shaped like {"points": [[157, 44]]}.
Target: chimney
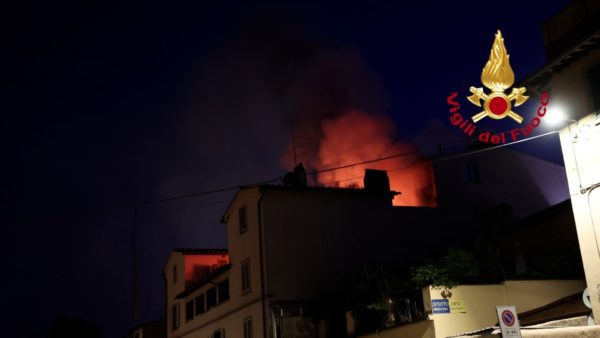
{"points": [[297, 178], [376, 180]]}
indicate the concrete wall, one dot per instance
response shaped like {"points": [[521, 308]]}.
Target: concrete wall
{"points": [[422, 329], [480, 302]]}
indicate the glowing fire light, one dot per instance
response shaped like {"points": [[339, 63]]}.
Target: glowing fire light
{"points": [[357, 137]]}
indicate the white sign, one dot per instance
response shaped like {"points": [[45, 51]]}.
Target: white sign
{"points": [[509, 323]]}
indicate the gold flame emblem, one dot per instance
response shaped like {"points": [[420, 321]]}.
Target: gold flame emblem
{"points": [[497, 76]]}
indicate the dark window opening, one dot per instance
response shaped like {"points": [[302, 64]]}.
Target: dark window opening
{"points": [[223, 291], [189, 310], [242, 220], [211, 298], [248, 328], [200, 304], [175, 316], [246, 275], [220, 333]]}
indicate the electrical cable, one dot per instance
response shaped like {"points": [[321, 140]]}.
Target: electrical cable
{"points": [[279, 179]]}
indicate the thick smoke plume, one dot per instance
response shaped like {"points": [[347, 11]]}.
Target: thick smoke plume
{"points": [[355, 137], [337, 124]]}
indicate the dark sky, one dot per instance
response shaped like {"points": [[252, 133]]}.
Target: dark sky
{"points": [[108, 104]]}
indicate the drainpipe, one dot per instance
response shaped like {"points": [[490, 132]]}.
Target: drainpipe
{"points": [[262, 270]]}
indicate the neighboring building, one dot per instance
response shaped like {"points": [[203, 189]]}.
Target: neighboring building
{"points": [[291, 245], [572, 77], [202, 271], [288, 247], [472, 307], [485, 177], [154, 329], [476, 304]]}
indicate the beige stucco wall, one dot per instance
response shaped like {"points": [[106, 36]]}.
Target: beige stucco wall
{"points": [[175, 259], [314, 238], [580, 146], [422, 329], [232, 322], [580, 142], [246, 245], [229, 315], [481, 301]]}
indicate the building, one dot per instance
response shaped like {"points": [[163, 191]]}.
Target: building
{"points": [[154, 329], [291, 246], [288, 247], [572, 77], [473, 307], [499, 176], [202, 271]]}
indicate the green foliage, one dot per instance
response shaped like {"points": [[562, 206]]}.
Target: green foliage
{"points": [[456, 267]]}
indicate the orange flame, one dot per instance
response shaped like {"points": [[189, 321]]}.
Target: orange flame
{"points": [[357, 137]]}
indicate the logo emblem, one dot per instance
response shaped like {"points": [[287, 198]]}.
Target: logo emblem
{"points": [[497, 76]]}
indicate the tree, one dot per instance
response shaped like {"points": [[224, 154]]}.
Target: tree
{"points": [[455, 267]]}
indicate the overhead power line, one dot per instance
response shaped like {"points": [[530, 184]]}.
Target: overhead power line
{"points": [[279, 179]]}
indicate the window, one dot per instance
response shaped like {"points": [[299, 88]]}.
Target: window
{"points": [[175, 316], [223, 289], [211, 298], [246, 275], [189, 310], [248, 327], [220, 333], [242, 220], [200, 304], [472, 172]]}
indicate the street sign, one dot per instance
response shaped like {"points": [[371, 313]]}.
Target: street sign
{"points": [[509, 322], [440, 306]]}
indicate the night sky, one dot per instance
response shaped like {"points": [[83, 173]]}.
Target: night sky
{"points": [[106, 105]]}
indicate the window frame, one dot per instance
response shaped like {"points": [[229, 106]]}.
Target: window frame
{"points": [[246, 276], [175, 317], [207, 306], [243, 219], [196, 307], [220, 332], [223, 285], [189, 315], [248, 328]]}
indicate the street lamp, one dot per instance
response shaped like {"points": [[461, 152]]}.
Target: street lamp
{"points": [[556, 115]]}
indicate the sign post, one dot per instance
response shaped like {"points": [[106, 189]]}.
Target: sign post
{"points": [[509, 323]]}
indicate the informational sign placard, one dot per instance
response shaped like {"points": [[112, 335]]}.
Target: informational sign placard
{"points": [[509, 323], [457, 306], [440, 306]]}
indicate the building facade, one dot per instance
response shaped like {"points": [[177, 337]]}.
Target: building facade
{"points": [[572, 77]]}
